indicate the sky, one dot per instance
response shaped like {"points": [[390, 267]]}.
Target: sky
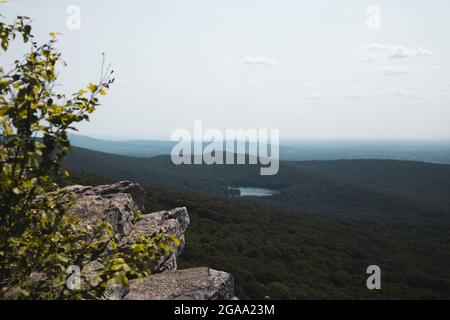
{"points": [[349, 69]]}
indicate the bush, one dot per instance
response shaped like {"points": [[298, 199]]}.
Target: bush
{"points": [[39, 236]]}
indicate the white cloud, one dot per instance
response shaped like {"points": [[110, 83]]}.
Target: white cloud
{"points": [[354, 96], [320, 96], [401, 93], [331, 96], [308, 84], [260, 61], [381, 51], [242, 84], [395, 71]]}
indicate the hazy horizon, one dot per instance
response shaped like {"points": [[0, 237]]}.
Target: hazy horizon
{"points": [[284, 140], [313, 70]]}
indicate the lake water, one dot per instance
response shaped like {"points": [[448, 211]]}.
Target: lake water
{"points": [[255, 192]]}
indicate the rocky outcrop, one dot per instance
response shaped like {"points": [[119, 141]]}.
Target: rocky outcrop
{"points": [[188, 284], [173, 222], [122, 203]]}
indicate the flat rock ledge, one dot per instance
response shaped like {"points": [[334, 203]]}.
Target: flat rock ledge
{"points": [[121, 203], [187, 284]]}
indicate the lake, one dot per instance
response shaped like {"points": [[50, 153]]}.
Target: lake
{"points": [[254, 192]]}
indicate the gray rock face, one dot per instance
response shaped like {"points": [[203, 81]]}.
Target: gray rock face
{"points": [[174, 222], [110, 190], [188, 284], [121, 203]]}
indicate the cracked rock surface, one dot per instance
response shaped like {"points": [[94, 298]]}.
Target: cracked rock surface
{"points": [[121, 203], [187, 284]]}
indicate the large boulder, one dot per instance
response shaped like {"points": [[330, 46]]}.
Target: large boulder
{"points": [[173, 222], [187, 284], [122, 204]]}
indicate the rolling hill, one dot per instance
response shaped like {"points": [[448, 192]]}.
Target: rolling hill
{"points": [[272, 253], [294, 149], [402, 194], [313, 239]]}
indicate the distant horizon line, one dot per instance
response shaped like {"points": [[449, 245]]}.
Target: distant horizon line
{"points": [[129, 139]]}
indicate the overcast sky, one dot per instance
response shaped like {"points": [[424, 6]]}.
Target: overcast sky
{"points": [[313, 69]]}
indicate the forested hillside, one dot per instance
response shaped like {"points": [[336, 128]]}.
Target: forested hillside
{"points": [[399, 195], [273, 253]]}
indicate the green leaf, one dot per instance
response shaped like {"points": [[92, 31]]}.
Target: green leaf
{"points": [[92, 87], [25, 293]]}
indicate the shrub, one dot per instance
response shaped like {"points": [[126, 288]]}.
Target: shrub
{"points": [[39, 236]]}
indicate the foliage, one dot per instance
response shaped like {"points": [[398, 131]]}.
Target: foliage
{"points": [[39, 236], [273, 253], [329, 222], [399, 195]]}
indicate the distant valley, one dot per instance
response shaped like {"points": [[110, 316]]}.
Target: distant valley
{"points": [[424, 151], [314, 236]]}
